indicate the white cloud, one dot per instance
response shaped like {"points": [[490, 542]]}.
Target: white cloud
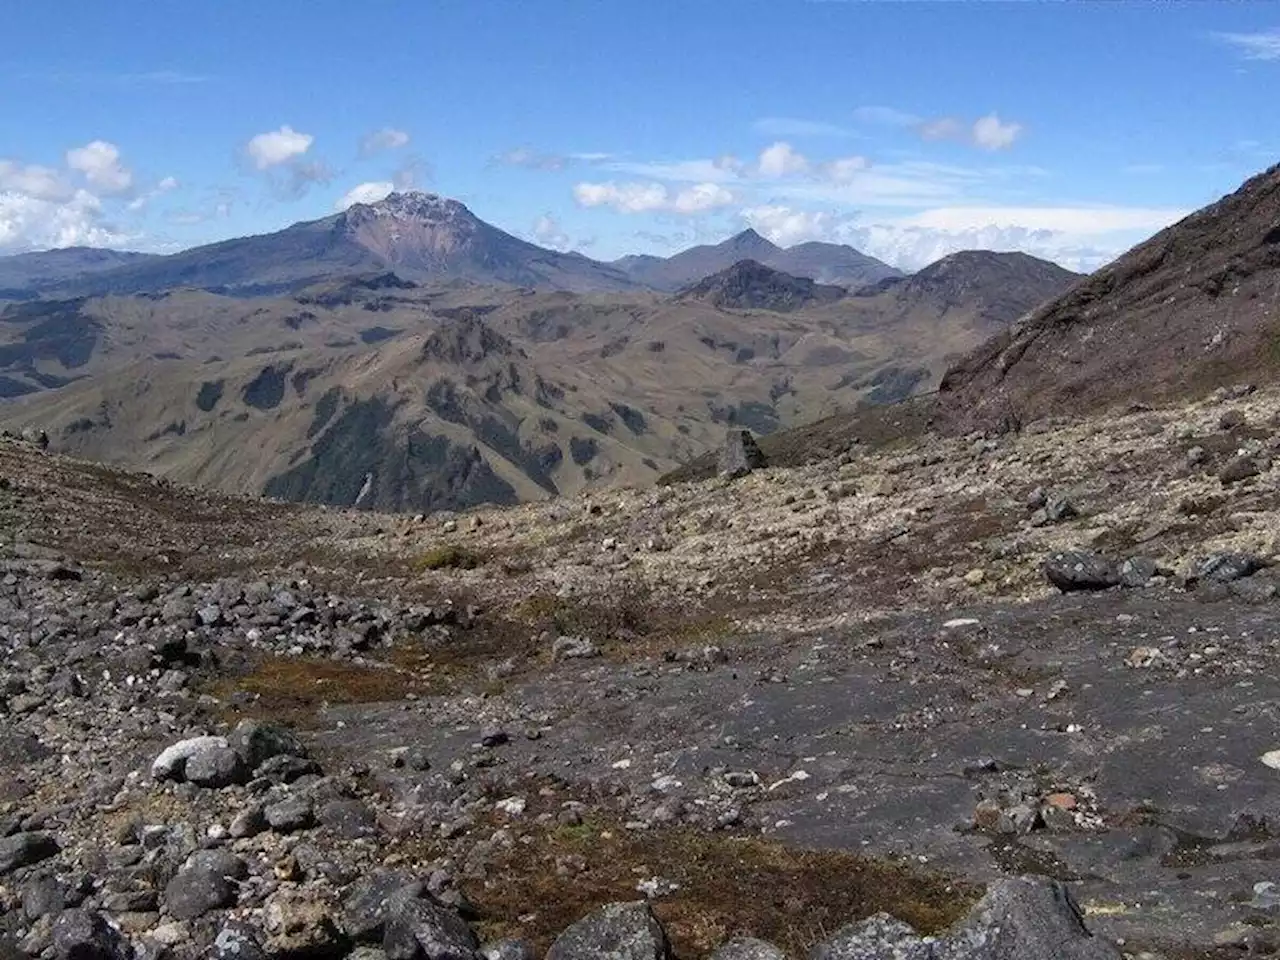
{"points": [[781, 160], [1254, 46], [786, 226], [623, 197], [388, 138], [844, 169], [28, 222], [370, 192], [271, 149], [547, 232], [530, 159], [100, 164], [941, 128], [701, 197], [990, 133], [1079, 238], [652, 197], [40, 183], [167, 185]]}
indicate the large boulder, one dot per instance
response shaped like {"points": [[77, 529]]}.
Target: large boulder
{"points": [[740, 454], [207, 882], [1028, 918], [257, 741], [1077, 570], [617, 931], [747, 948], [373, 899]]}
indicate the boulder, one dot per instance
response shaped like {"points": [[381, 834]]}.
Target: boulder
{"points": [[204, 884], [173, 760], [509, 950], [424, 930], [257, 742], [373, 899], [87, 935], [1028, 918], [215, 767], [617, 931], [24, 850], [1226, 567], [1075, 570], [740, 454]]}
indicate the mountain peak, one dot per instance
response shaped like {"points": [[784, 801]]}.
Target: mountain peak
{"points": [[748, 239], [749, 284], [412, 205]]}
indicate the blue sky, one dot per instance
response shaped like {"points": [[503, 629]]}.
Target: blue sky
{"points": [[1070, 130]]}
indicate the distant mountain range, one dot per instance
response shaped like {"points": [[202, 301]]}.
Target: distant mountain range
{"points": [[421, 237], [828, 263]]}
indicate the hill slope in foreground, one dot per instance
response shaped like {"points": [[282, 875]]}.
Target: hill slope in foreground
{"points": [[799, 681], [1193, 306]]}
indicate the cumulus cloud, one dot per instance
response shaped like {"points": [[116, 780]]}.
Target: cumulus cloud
{"points": [[370, 192], [276, 147], [781, 160], [989, 133], [1079, 238], [99, 163], [547, 232], [1254, 46], [652, 197], [388, 138], [32, 180], [28, 222]]}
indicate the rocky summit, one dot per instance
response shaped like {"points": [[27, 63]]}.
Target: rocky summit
{"points": [[970, 697]]}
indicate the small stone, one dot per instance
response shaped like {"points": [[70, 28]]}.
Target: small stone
{"points": [[290, 815], [172, 762], [573, 648], [1239, 468], [493, 736], [975, 577], [1075, 570]]}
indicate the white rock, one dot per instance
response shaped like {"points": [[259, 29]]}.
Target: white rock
{"points": [[1272, 759], [166, 765]]}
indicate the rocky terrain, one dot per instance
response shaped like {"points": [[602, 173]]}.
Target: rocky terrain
{"points": [[772, 707]]}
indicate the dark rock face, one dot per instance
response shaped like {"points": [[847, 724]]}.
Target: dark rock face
{"points": [[617, 931], [740, 455], [1026, 919], [1074, 570]]}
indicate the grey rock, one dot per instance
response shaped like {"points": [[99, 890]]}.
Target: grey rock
{"points": [[740, 454], [1075, 570], [249, 822], [1029, 918], [258, 741], [617, 931], [424, 930], [351, 819], [289, 815], [215, 767], [747, 948], [879, 937], [1239, 468], [238, 941], [1138, 571], [1058, 509], [197, 889], [493, 736], [1226, 567], [573, 648], [508, 950], [42, 896], [373, 899], [286, 769], [25, 850], [172, 762], [87, 935]]}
